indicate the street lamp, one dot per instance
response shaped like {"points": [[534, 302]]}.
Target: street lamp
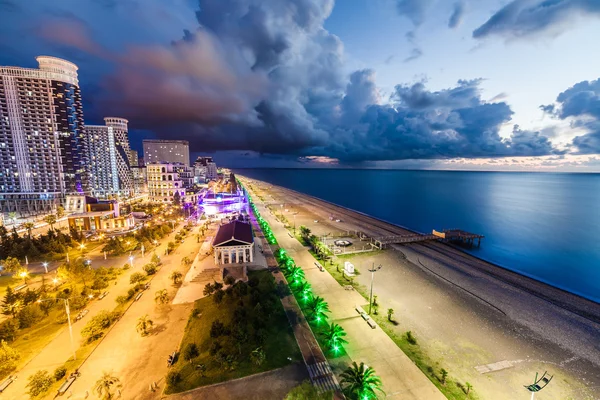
{"points": [[23, 275], [45, 266], [68, 311], [372, 271], [131, 261]]}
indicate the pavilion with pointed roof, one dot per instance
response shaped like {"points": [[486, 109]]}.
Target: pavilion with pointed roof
{"points": [[234, 243]]}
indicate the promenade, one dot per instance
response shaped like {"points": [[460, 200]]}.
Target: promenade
{"points": [[401, 378]]}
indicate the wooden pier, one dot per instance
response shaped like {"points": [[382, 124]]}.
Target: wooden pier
{"points": [[450, 235]]}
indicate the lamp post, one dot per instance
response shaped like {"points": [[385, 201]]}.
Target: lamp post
{"points": [[131, 261], [372, 271], [45, 266], [68, 311]]}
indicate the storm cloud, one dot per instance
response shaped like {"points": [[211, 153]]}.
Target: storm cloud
{"points": [[523, 18]]}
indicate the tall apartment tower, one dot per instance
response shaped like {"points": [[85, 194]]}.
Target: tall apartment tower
{"points": [[42, 149], [109, 154], [170, 151]]}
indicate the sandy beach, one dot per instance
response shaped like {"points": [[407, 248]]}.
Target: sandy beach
{"points": [[466, 312]]}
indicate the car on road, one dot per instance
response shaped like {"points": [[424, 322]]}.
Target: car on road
{"points": [[316, 221]]}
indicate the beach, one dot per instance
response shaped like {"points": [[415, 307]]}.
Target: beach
{"points": [[466, 312]]}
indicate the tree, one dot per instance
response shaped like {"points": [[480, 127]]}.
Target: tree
{"points": [[308, 391], [468, 386], [136, 277], [318, 307], [96, 326], [334, 336], [304, 289], [161, 296], [443, 376], [11, 304], [143, 324], [176, 277], [29, 227], [304, 231], [209, 289], [50, 219], [8, 358], [229, 280], [186, 261], [105, 386], [390, 314], [360, 382], [155, 259], [60, 373], [295, 274], [39, 383], [190, 352], [60, 212], [258, 356], [176, 198], [11, 264], [150, 268], [218, 297]]}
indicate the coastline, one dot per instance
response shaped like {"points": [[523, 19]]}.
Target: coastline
{"points": [[465, 315], [595, 317]]}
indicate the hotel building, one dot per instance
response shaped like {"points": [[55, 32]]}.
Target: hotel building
{"points": [[169, 151], [164, 181], [109, 154], [42, 149]]}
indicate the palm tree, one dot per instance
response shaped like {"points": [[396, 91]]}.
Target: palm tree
{"points": [[161, 296], [12, 216], [334, 336], [303, 288], [468, 386], [105, 385], [29, 226], [50, 219], [295, 274], [60, 212], [175, 277], [359, 382], [318, 307], [304, 231], [143, 324]]}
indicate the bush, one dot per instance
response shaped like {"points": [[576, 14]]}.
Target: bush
{"points": [[39, 383], [173, 378], [8, 359], [217, 329], [59, 373], [136, 277], [229, 280], [410, 338], [126, 266], [95, 327], [190, 352], [155, 259], [8, 330], [218, 297], [122, 299], [150, 268], [28, 316]]}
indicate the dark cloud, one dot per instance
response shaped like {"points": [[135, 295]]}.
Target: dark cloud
{"points": [[521, 18], [264, 76], [581, 102], [458, 13]]}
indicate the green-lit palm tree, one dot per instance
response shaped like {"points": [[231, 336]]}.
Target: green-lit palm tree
{"points": [[304, 289], [106, 385], [318, 308], [334, 337], [143, 324], [360, 382], [296, 274]]}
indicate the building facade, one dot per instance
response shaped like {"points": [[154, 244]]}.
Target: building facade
{"points": [[42, 139], [109, 154], [98, 216], [164, 182], [169, 151], [211, 171]]}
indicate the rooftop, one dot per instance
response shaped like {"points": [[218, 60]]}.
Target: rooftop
{"points": [[233, 234]]}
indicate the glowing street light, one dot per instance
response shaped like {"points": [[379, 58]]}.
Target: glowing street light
{"points": [[45, 266], [131, 260]]}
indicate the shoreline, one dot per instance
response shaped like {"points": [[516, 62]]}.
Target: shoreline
{"points": [[518, 274]]}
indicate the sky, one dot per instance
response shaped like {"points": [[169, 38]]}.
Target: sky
{"points": [[426, 84]]}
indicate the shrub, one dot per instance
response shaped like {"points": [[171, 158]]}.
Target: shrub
{"points": [[95, 327], [190, 352], [150, 268], [122, 299], [8, 358], [126, 266], [39, 383], [410, 338], [217, 329], [229, 280], [218, 297], [155, 259], [173, 378], [215, 347], [28, 316], [136, 277], [59, 373]]}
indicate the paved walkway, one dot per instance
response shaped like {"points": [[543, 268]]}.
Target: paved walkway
{"points": [[401, 378]]}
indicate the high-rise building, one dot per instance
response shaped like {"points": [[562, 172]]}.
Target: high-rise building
{"points": [[169, 151], [164, 182], [211, 171], [109, 154], [134, 158], [42, 149]]}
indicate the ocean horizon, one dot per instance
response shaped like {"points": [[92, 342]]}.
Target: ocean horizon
{"points": [[539, 224]]}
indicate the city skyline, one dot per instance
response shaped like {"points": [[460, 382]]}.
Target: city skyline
{"points": [[448, 94]]}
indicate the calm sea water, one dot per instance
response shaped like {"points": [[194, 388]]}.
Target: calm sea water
{"points": [[546, 226]]}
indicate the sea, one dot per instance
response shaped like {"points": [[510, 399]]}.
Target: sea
{"points": [[542, 225]]}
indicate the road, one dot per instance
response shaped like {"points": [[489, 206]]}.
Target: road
{"points": [[401, 378]]}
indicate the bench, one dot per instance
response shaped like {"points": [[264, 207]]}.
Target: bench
{"points": [[371, 323], [66, 385], [365, 316], [7, 382], [81, 314], [138, 296], [20, 287], [103, 295]]}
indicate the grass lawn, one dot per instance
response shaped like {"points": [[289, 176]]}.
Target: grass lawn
{"points": [[268, 320], [8, 280]]}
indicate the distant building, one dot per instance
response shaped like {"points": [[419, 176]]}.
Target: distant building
{"points": [[211, 171], [140, 179], [186, 174], [164, 181], [169, 151], [42, 151], [110, 158], [100, 216], [134, 158]]}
